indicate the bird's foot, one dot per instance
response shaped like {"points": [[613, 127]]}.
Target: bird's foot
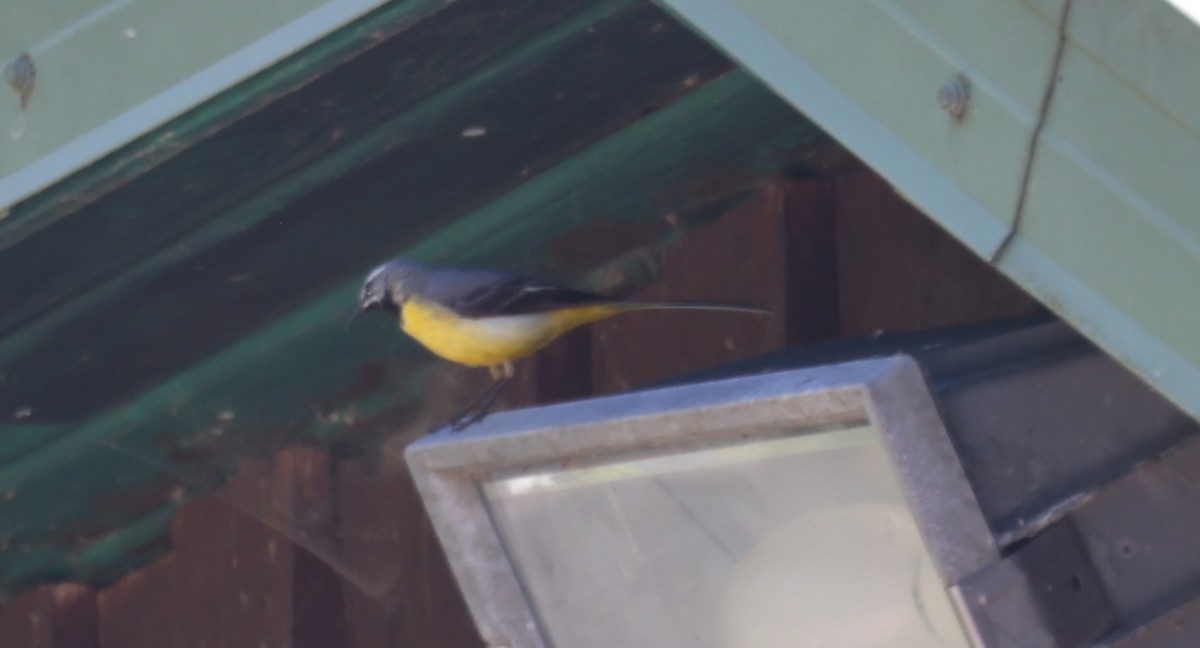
{"points": [[477, 409], [463, 420]]}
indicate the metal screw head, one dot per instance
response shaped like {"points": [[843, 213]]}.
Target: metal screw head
{"points": [[20, 74], [954, 96]]}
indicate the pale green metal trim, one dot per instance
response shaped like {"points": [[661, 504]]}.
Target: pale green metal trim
{"points": [[90, 100], [171, 121], [1110, 225]]}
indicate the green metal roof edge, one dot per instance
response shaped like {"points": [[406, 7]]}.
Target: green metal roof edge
{"points": [[1109, 229]]}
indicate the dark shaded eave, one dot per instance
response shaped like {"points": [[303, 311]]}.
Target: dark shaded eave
{"points": [[198, 316]]}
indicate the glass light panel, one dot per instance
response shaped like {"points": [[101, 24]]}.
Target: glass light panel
{"points": [[789, 542]]}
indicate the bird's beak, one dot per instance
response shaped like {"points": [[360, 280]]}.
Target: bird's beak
{"points": [[355, 315]]}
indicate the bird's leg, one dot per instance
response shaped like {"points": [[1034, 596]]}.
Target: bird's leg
{"points": [[504, 370], [478, 408]]}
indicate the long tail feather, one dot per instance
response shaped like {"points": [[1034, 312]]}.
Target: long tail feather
{"points": [[736, 308]]}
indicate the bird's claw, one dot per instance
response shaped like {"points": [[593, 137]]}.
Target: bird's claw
{"points": [[465, 420], [460, 421]]}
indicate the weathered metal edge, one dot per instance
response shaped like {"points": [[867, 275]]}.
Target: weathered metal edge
{"points": [[890, 392]]}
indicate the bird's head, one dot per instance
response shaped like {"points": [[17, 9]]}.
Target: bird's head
{"points": [[386, 287]]}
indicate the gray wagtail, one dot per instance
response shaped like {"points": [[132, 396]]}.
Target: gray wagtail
{"points": [[488, 319]]}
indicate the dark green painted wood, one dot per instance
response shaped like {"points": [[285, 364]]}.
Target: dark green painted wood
{"points": [[267, 146], [199, 318], [276, 254]]}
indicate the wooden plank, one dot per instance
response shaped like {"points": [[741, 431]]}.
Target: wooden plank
{"points": [[740, 258], [241, 572], [236, 562], [306, 474], [564, 369], [75, 616], [51, 616], [229, 578], [406, 595], [898, 271], [25, 620], [812, 290], [136, 612]]}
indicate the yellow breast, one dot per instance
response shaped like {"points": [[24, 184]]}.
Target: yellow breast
{"points": [[490, 340]]}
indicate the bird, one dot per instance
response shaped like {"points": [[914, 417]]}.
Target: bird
{"points": [[484, 318]]}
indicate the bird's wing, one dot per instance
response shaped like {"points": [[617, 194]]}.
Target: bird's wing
{"points": [[515, 295]]}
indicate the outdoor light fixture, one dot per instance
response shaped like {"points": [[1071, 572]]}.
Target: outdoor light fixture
{"points": [[814, 507]]}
